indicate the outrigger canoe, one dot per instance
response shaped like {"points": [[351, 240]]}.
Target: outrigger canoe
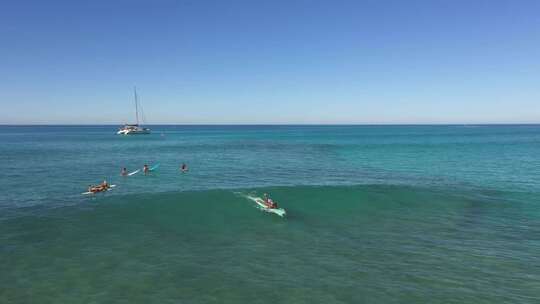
{"points": [[262, 206], [90, 192]]}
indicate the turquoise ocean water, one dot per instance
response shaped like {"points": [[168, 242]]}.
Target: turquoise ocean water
{"points": [[375, 214]]}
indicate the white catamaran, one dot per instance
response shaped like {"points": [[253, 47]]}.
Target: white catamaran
{"points": [[130, 129]]}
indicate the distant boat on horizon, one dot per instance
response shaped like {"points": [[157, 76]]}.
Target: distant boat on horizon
{"points": [[133, 129]]}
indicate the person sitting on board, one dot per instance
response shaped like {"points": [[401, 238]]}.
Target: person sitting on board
{"points": [[145, 169], [272, 204], [124, 172], [269, 202], [105, 185], [184, 168], [95, 189]]}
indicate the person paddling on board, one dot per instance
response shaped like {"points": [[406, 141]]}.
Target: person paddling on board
{"points": [[145, 169], [124, 172], [184, 168]]}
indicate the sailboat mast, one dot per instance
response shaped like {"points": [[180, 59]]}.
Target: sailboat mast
{"points": [[136, 105]]}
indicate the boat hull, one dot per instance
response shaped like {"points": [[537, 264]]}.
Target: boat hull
{"points": [[133, 131]]}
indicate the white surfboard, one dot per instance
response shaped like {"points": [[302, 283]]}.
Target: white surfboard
{"points": [[134, 172]]}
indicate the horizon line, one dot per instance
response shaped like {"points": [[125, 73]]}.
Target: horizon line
{"points": [[278, 124]]}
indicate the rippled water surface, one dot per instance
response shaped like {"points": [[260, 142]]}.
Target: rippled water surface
{"points": [[375, 214]]}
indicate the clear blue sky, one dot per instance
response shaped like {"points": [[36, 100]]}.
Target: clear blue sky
{"points": [[270, 61]]}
